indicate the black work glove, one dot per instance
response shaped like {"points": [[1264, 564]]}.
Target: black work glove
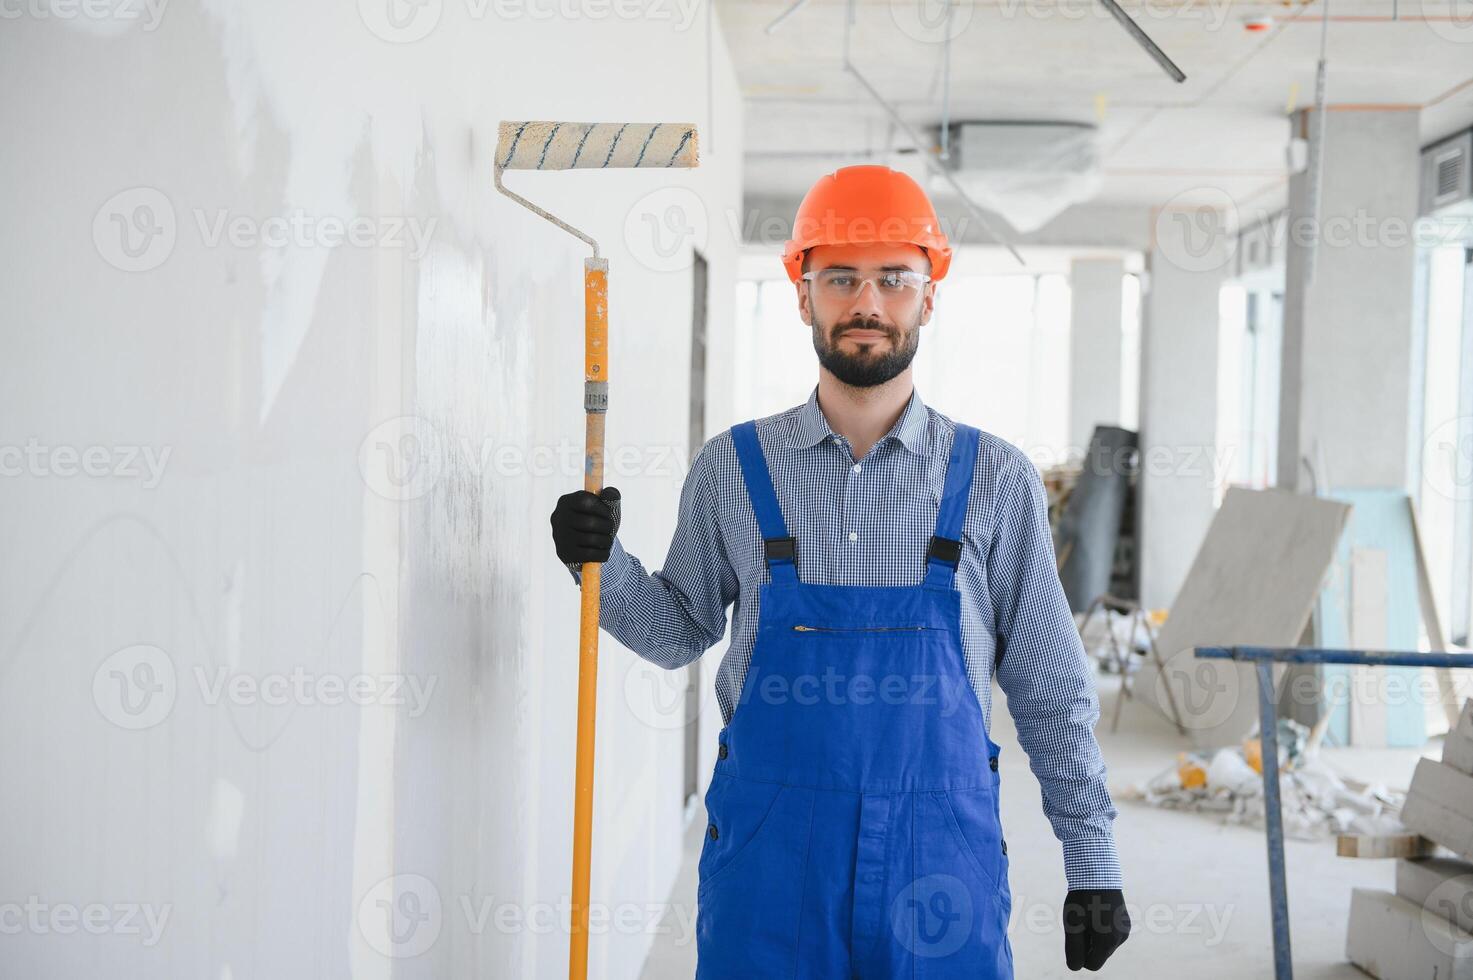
{"points": [[1095, 924], [584, 525]]}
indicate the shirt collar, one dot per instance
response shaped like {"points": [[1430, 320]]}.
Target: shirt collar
{"points": [[912, 429]]}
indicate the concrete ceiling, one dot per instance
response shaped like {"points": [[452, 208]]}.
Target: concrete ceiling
{"points": [[1224, 130]]}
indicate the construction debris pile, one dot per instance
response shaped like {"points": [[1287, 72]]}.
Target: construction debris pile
{"points": [[1317, 801], [1425, 927]]}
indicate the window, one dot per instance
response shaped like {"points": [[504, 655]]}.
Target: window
{"points": [[1445, 488], [995, 354]]}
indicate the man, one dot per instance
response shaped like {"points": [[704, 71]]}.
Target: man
{"points": [[886, 563]]}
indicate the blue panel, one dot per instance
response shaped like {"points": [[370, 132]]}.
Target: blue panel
{"points": [[1379, 519]]}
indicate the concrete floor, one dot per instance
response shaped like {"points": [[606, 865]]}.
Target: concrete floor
{"points": [[1197, 888]]}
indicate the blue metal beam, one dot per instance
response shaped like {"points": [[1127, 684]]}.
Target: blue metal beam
{"points": [[1313, 655], [1263, 659]]}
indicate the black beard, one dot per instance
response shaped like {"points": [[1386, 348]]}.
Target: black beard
{"points": [[865, 370]]}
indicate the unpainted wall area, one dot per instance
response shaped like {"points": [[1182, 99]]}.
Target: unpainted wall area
{"points": [[287, 391]]}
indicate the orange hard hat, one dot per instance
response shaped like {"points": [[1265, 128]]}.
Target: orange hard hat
{"points": [[866, 204]]}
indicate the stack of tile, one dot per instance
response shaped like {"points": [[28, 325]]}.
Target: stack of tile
{"points": [[1425, 929]]}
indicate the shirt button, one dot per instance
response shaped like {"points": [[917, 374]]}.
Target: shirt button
{"points": [[853, 536], [856, 467]]}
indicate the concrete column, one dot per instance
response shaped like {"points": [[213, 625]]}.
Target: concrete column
{"points": [[1179, 322], [1345, 413], [1346, 374], [1094, 347]]}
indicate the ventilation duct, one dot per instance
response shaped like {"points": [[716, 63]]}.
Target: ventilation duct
{"points": [[1028, 172], [1447, 179]]}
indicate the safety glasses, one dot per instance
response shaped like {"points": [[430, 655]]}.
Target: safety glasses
{"points": [[846, 283]]}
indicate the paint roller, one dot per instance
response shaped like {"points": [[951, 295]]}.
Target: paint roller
{"points": [[534, 145]]}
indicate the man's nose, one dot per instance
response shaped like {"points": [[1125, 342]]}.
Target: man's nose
{"points": [[867, 301]]}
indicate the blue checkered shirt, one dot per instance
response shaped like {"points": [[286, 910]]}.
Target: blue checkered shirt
{"points": [[869, 523]]}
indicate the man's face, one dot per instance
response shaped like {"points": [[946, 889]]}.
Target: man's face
{"points": [[868, 338]]}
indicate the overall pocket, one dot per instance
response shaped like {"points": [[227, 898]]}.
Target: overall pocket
{"points": [[737, 811], [752, 871], [973, 817]]}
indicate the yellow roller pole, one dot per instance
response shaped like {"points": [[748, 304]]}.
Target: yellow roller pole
{"points": [[595, 405], [562, 145]]}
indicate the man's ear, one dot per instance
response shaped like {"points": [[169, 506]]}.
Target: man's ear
{"points": [[928, 302], [803, 310]]}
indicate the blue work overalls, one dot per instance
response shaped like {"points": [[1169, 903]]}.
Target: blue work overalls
{"points": [[854, 828]]}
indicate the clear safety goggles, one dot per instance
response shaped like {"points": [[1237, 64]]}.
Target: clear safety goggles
{"points": [[846, 283]]}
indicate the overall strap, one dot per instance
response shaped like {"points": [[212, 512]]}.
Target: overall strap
{"points": [[945, 551], [779, 549]]}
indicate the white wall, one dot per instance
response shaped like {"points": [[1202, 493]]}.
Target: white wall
{"points": [[262, 383]]}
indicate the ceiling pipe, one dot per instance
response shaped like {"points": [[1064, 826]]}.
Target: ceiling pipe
{"points": [[1144, 40]]}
